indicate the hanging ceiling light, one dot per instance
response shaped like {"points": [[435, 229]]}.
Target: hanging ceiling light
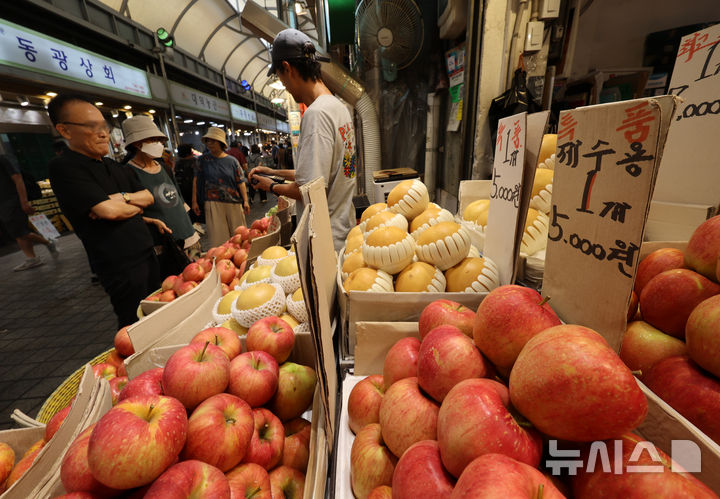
{"points": [[151, 111], [165, 38], [277, 100], [51, 94], [127, 107], [23, 100], [277, 85]]}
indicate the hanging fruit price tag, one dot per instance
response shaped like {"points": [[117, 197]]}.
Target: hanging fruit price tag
{"points": [[689, 173], [607, 161], [516, 151]]}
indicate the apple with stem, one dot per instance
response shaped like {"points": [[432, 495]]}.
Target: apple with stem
{"points": [[221, 337], [446, 312], [267, 441], [296, 451], [189, 479], [287, 483], [272, 335], [196, 372], [249, 481], [295, 391], [122, 342], [116, 386], [147, 383], [254, 377], [643, 346]]}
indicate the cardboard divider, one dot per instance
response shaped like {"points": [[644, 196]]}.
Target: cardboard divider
{"points": [[272, 238], [43, 476]]}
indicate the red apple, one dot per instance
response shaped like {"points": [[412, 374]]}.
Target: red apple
{"points": [[7, 462], [196, 372], [246, 245], [250, 481], [371, 462], [474, 420], [123, 345], [193, 272], [236, 240], [240, 257], [22, 466], [496, 476], [446, 312], [668, 298], [267, 441], [242, 231], [153, 434], [177, 284], [272, 335], [287, 483], [219, 431], [381, 492], [702, 334], [147, 383], [211, 253], [658, 261], [54, 424], [296, 451], [364, 402], [206, 264], [78, 495], [75, 471], [121, 370], [447, 357], [637, 483], [407, 416], [703, 248], [225, 288], [643, 346], [34, 447], [633, 306], [571, 385], [190, 479], [296, 388], [116, 386], [169, 282], [254, 377], [253, 234], [114, 359], [420, 473], [226, 269], [226, 339], [401, 361], [185, 287], [506, 319], [688, 390], [152, 297], [104, 370], [168, 296]]}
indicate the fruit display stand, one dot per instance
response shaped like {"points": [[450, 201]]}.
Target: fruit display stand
{"points": [[374, 339]]}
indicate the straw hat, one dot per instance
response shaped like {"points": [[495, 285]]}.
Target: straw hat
{"points": [[141, 127], [216, 133]]}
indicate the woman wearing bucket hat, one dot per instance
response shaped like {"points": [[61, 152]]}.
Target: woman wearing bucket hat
{"points": [[219, 184], [144, 143]]}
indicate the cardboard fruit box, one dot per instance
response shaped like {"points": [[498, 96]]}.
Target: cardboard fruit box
{"points": [[662, 425], [272, 238]]}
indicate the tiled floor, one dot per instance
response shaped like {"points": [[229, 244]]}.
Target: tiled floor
{"points": [[52, 321]]}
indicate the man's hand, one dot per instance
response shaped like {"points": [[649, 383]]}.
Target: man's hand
{"points": [[260, 169], [28, 208], [263, 183]]}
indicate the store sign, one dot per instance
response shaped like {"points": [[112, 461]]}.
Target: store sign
{"points": [[606, 162], [27, 49], [689, 172], [266, 122], [243, 114], [282, 126], [186, 96], [294, 120]]}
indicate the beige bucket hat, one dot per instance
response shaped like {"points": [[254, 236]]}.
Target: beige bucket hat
{"points": [[140, 127], [216, 133]]}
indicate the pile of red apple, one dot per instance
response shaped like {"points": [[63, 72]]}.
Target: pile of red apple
{"points": [[214, 422], [469, 408], [674, 341], [230, 261]]}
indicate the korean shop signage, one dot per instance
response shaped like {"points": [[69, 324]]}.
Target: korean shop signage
{"points": [[27, 49], [199, 101], [243, 114], [266, 122]]}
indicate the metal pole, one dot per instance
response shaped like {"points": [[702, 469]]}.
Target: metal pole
{"points": [[176, 135], [227, 99]]}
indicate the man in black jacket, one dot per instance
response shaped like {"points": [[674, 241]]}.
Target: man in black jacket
{"points": [[104, 202]]}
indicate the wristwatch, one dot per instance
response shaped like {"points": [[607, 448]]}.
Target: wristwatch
{"points": [[126, 197], [272, 187]]}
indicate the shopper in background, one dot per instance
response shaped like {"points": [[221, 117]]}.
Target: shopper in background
{"points": [[327, 138], [185, 168], [104, 202], [254, 159], [14, 210], [237, 153], [245, 150], [168, 214], [273, 151], [220, 187]]}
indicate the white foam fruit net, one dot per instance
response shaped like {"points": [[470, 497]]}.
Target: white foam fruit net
{"points": [[274, 306], [487, 280], [391, 259], [413, 202], [446, 252], [297, 309], [289, 283], [542, 201], [442, 216], [535, 236]]}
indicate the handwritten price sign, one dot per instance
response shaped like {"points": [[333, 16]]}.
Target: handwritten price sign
{"points": [[688, 173], [607, 159]]}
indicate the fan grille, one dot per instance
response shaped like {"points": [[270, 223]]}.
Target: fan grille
{"points": [[395, 27]]}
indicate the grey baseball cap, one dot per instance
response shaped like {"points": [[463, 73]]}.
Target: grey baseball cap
{"points": [[293, 44]]}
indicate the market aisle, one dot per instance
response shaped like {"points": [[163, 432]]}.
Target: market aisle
{"points": [[52, 321]]}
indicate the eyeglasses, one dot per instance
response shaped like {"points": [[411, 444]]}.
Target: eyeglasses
{"points": [[94, 127]]}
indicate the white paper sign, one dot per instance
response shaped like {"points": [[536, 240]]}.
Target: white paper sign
{"points": [[243, 114], [44, 226], [24, 48], [688, 172], [506, 195]]}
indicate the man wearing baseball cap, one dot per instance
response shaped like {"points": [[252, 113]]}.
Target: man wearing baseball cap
{"points": [[327, 137]]}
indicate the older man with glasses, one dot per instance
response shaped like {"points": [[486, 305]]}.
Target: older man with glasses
{"points": [[104, 202]]}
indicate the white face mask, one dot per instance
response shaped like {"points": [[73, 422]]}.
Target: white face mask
{"points": [[153, 149]]}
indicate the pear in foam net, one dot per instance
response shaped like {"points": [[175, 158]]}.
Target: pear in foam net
{"points": [[295, 304], [272, 255], [420, 277], [258, 301], [474, 209], [390, 249], [409, 198], [443, 245], [472, 275], [541, 196], [285, 273], [353, 261], [367, 279], [431, 216], [258, 274], [385, 219], [534, 237], [371, 210]]}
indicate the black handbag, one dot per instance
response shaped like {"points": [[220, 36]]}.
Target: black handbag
{"points": [[31, 187], [514, 100], [171, 256]]}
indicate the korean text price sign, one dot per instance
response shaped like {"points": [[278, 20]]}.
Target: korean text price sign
{"points": [[607, 159], [688, 172], [506, 195]]}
